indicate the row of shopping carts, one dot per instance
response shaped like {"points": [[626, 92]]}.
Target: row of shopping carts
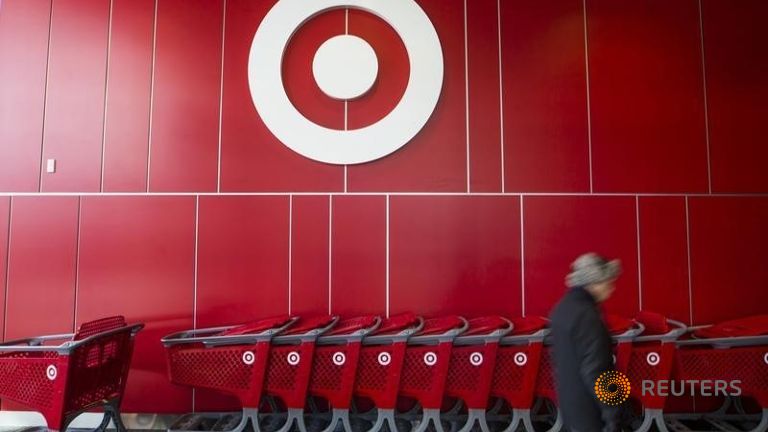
{"points": [[402, 373]]}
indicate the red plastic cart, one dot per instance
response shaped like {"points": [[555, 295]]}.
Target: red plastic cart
{"points": [[230, 359], [379, 368], [288, 371], [517, 368], [335, 367], [425, 368], [86, 371], [471, 369]]}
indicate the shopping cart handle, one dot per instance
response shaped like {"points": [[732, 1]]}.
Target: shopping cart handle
{"points": [[726, 342], [211, 336], [402, 336], [355, 336], [490, 337], [630, 334], [35, 344], [447, 336], [309, 336], [678, 329], [538, 336]]}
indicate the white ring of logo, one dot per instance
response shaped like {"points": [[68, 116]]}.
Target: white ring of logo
{"points": [[384, 358], [51, 372], [653, 358], [248, 357], [613, 357], [521, 359], [765, 358], [360, 145], [430, 358], [476, 359], [339, 358], [293, 358]]}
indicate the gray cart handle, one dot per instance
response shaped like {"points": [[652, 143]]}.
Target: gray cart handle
{"points": [[402, 336], [447, 336], [211, 337], [355, 336], [490, 337], [35, 344], [678, 329]]}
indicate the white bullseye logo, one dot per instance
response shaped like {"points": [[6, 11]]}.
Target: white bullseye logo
{"points": [[765, 358], [384, 358], [345, 67], [430, 359], [339, 358], [293, 358], [476, 359], [521, 359], [653, 358], [51, 372], [248, 357]]}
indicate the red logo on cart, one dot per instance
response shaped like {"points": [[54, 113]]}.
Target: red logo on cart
{"points": [[521, 359], [339, 358], [51, 372], [430, 359], [384, 358], [248, 358], [293, 358]]}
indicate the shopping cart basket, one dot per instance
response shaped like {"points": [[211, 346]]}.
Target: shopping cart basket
{"points": [[470, 373], [517, 368], [335, 367], [379, 368], [230, 359], [88, 370], [288, 372], [735, 350]]}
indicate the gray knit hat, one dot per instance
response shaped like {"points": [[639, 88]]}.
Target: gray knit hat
{"points": [[591, 268]]}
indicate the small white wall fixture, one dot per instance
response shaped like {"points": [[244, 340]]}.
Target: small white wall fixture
{"points": [[356, 146]]}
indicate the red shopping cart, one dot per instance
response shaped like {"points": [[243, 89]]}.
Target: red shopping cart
{"points": [[288, 372], [471, 369], [335, 367], [425, 369], [86, 371], [230, 359], [379, 367], [732, 351], [652, 358], [517, 368]]}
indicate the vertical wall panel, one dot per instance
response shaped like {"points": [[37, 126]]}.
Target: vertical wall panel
{"points": [[74, 116], [559, 229], [251, 157], [137, 260], [309, 254], [728, 236], [358, 254], [455, 255], [42, 266], [545, 102], [126, 132], [5, 213], [23, 60], [185, 112], [664, 256], [647, 96], [736, 56], [242, 271], [436, 157], [484, 97]]}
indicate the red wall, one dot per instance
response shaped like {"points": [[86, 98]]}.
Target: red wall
{"points": [[634, 130]]}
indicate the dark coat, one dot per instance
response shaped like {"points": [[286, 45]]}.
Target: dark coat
{"points": [[581, 351]]}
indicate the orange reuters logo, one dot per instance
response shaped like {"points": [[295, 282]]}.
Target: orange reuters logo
{"points": [[612, 388]]}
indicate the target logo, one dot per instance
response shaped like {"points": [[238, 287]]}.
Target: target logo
{"points": [[765, 358], [384, 358], [293, 358], [249, 357], [430, 358], [339, 358], [653, 358], [345, 67], [476, 359], [521, 359], [51, 372]]}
